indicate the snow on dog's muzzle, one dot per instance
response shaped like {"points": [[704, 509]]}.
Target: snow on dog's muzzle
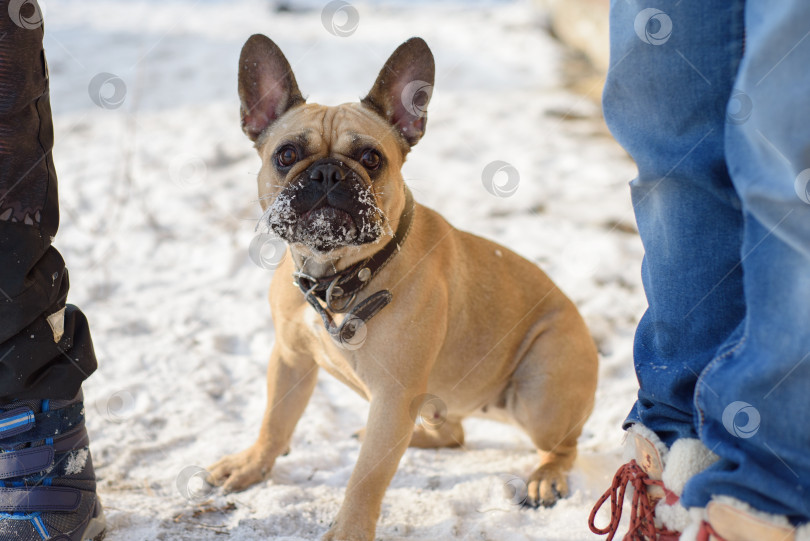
{"points": [[326, 207]]}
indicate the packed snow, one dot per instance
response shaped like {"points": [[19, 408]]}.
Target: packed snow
{"points": [[159, 207]]}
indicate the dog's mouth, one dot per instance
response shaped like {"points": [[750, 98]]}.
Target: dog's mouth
{"points": [[325, 223], [326, 214], [325, 228]]}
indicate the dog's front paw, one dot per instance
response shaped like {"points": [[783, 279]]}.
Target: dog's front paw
{"points": [[237, 472], [347, 531], [339, 534]]}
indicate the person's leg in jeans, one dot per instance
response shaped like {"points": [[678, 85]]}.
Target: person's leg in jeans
{"points": [[754, 402], [47, 483], [711, 265], [666, 105], [671, 76]]}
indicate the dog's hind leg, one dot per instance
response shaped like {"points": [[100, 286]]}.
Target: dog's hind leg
{"points": [[557, 447], [551, 396]]}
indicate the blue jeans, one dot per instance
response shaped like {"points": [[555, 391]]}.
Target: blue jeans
{"points": [[712, 101]]}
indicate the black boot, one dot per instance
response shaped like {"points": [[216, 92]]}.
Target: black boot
{"points": [[47, 482]]}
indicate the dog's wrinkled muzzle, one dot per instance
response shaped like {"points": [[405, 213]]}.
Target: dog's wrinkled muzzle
{"points": [[326, 207]]}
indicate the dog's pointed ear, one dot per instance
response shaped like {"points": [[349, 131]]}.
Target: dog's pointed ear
{"points": [[403, 89], [267, 87]]}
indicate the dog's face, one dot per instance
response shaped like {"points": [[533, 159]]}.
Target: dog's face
{"points": [[327, 177], [330, 181]]}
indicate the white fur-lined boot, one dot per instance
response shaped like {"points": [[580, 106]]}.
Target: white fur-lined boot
{"points": [[657, 475], [729, 519]]}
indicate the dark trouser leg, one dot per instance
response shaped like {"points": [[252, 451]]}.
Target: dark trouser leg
{"points": [[37, 359]]}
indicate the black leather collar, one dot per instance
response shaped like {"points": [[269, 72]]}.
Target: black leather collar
{"points": [[339, 291]]}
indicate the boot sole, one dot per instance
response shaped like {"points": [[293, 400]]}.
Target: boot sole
{"points": [[96, 528]]}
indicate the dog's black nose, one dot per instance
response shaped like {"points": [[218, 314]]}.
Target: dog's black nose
{"points": [[328, 174]]}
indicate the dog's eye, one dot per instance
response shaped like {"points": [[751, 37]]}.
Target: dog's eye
{"points": [[286, 156], [370, 159]]}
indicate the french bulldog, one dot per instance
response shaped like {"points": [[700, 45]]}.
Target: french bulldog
{"points": [[428, 323]]}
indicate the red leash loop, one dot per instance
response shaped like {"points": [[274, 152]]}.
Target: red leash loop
{"points": [[642, 514]]}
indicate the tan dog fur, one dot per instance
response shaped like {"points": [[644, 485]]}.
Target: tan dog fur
{"points": [[471, 322]]}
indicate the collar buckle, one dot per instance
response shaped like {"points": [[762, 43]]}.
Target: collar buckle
{"points": [[335, 292]]}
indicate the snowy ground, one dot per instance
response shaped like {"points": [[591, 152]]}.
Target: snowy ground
{"points": [[159, 207]]}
